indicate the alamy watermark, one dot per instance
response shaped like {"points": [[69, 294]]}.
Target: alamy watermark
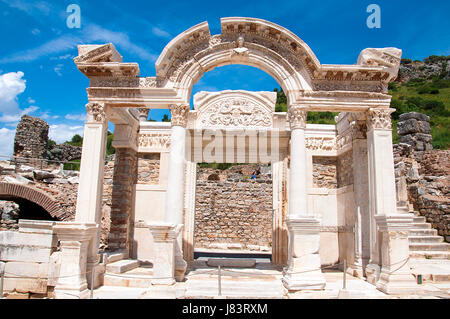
{"points": [[73, 21], [374, 19]]}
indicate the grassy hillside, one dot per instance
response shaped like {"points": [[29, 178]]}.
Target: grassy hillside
{"points": [[428, 96]]}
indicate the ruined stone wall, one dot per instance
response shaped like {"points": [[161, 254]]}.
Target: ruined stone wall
{"points": [[424, 172], [148, 168], [31, 138], [324, 172], [64, 152], [232, 210], [414, 129], [345, 169], [125, 174]]}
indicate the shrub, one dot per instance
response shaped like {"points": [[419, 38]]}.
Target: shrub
{"points": [[405, 61]]}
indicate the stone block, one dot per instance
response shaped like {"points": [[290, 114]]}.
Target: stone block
{"points": [[26, 277], [414, 115]]}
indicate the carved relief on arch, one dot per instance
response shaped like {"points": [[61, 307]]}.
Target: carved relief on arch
{"points": [[234, 109], [241, 38]]}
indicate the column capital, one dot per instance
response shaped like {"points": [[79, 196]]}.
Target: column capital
{"points": [[359, 130], [96, 112], [143, 113], [179, 114], [379, 119], [297, 116]]}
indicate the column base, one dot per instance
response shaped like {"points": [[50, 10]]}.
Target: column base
{"points": [[356, 269], [306, 281], [396, 284], [372, 273], [69, 293], [180, 268], [304, 268], [395, 275], [168, 264]]}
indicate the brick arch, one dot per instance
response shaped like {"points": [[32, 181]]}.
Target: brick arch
{"points": [[44, 200]]}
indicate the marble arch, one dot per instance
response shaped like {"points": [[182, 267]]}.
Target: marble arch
{"points": [[374, 241]]}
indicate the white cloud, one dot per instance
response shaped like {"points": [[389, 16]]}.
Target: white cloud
{"points": [[63, 132], [47, 116], [30, 100], [76, 117], [160, 32], [35, 31], [57, 69], [30, 7], [11, 85], [90, 34], [7, 141]]}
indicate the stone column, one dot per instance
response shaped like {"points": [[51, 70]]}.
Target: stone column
{"points": [[361, 190], [303, 271], [174, 205], [389, 228], [90, 188], [75, 239]]}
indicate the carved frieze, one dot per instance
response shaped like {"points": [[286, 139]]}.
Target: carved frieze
{"points": [[235, 112], [157, 141], [379, 119], [126, 82], [361, 86], [321, 143]]}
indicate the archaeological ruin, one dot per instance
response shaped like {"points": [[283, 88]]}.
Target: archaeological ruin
{"points": [[310, 196]]}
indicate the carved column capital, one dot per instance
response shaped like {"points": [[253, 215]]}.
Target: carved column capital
{"points": [[359, 130], [379, 119], [96, 112], [297, 116], [143, 113], [179, 114]]}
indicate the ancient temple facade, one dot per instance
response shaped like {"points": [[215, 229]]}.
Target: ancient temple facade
{"points": [[357, 219]]}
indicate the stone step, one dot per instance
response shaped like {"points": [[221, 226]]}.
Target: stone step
{"points": [[429, 254], [121, 266], [114, 256], [429, 247], [422, 232], [425, 239], [208, 288], [421, 226], [137, 278], [419, 219]]}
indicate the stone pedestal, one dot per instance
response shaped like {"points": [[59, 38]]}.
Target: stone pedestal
{"points": [[303, 271], [395, 276], [75, 240], [166, 252]]}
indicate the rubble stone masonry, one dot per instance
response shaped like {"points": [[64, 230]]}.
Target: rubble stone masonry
{"points": [[233, 210]]}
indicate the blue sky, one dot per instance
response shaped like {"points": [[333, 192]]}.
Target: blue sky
{"points": [[38, 76]]}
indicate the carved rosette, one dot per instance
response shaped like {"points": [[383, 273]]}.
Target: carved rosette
{"points": [[297, 117], [96, 112], [179, 114], [379, 119]]}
